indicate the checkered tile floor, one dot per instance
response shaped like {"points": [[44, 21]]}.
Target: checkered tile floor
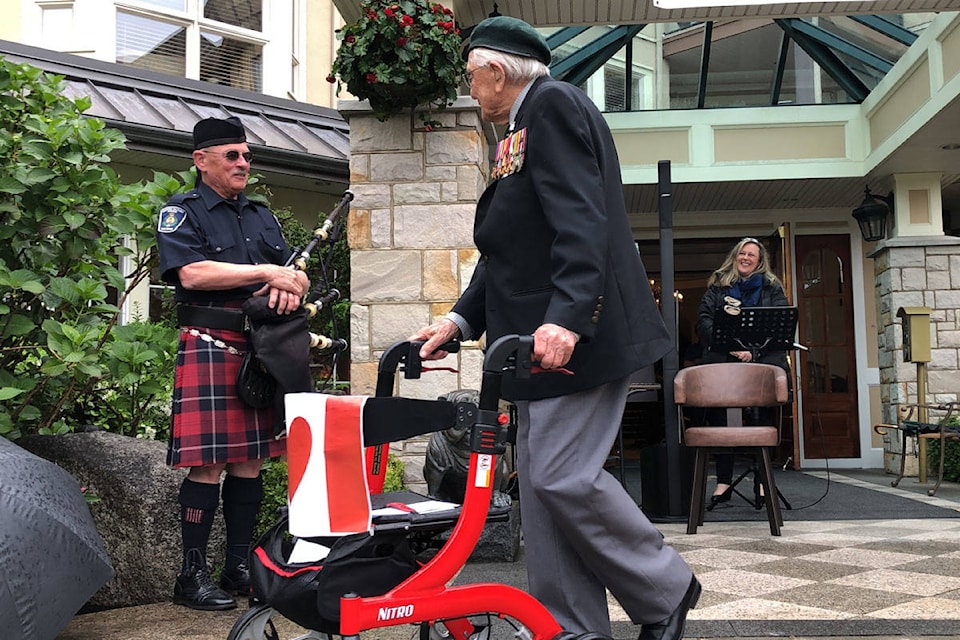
{"points": [[856, 577]]}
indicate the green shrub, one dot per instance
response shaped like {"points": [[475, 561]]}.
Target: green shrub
{"points": [[274, 495], [393, 481], [951, 458], [66, 223]]}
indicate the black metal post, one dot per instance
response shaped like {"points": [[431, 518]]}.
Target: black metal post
{"points": [[671, 361]]}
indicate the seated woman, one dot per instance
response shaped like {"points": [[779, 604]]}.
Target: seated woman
{"points": [[745, 279]]}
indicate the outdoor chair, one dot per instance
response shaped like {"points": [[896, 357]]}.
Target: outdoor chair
{"points": [[733, 386], [924, 422]]}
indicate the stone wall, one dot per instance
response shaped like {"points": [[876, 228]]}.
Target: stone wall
{"points": [[917, 272], [411, 243]]}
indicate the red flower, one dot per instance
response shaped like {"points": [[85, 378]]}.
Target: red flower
{"points": [[389, 12], [428, 128], [371, 78], [406, 21], [350, 39], [331, 79], [371, 14], [401, 41]]}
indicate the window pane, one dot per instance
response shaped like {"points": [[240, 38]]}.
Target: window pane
{"points": [[240, 13], [57, 22], [176, 5], [230, 62], [151, 44], [742, 66]]}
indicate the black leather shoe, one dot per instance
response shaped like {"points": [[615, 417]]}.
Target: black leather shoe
{"points": [[671, 628], [197, 590], [236, 580], [719, 498]]}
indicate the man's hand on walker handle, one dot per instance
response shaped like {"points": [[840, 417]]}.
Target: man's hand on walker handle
{"points": [[553, 345], [439, 333]]}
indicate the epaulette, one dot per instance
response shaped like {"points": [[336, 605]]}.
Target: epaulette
{"points": [[181, 197]]}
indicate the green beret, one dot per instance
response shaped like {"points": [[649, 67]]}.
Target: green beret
{"points": [[510, 35]]}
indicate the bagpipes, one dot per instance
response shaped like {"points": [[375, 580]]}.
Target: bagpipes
{"points": [[279, 360]]}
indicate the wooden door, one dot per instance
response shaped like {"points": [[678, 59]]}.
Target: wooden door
{"points": [[828, 369]]}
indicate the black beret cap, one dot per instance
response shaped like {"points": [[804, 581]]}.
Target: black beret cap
{"points": [[211, 132], [510, 35]]}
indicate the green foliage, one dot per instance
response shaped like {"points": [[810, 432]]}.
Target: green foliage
{"points": [[274, 474], [66, 222], [135, 398], [951, 458], [74, 243], [400, 54], [393, 480]]}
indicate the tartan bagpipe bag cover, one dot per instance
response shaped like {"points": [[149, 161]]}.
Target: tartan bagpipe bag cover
{"points": [[309, 593]]}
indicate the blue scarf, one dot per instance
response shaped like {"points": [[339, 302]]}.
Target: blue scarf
{"points": [[748, 291]]}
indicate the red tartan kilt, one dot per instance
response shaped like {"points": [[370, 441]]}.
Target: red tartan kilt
{"points": [[210, 424]]}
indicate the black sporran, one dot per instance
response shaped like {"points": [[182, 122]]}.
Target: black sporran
{"points": [[255, 386]]}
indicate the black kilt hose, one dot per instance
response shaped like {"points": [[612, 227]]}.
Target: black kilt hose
{"points": [[210, 424]]}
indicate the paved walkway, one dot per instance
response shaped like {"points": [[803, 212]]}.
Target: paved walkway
{"points": [[879, 578]]}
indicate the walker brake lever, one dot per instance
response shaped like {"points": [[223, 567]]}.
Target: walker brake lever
{"points": [[413, 364], [538, 369]]}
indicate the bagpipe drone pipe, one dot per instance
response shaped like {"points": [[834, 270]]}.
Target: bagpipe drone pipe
{"points": [[282, 343]]}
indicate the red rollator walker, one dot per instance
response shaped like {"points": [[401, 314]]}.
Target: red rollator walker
{"points": [[423, 595]]}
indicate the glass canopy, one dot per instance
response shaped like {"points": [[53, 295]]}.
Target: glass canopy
{"points": [[733, 63]]}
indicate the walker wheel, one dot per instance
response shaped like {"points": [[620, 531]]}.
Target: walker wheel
{"points": [[261, 622], [255, 624]]}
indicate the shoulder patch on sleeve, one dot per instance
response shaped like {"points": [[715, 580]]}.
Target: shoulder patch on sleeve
{"points": [[171, 217]]}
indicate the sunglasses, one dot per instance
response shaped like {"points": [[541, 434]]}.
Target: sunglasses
{"points": [[233, 155]]}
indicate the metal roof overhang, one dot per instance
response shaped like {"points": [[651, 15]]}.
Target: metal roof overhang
{"points": [[297, 145], [563, 13]]}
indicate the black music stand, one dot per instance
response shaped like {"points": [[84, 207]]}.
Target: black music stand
{"points": [[754, 329]]}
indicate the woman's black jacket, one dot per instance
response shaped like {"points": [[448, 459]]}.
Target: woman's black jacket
{"points": [[771, 295]]}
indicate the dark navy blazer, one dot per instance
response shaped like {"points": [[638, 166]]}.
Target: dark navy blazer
{"points": [[556, 247]]}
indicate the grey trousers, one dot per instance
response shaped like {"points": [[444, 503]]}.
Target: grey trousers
{"points": [[583, 533]]}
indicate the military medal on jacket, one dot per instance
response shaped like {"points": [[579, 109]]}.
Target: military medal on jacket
{"points": [[510, 154]]}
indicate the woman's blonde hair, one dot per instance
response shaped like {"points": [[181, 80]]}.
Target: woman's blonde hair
{"points": [[727, 274]]}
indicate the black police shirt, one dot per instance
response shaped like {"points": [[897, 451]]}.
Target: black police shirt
{"points": [[201, 225]]}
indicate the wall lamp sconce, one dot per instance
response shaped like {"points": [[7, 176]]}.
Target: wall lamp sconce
{"points": [[872, 214]]}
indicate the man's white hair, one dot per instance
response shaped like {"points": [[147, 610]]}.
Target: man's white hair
{"points": [[518, 69]]}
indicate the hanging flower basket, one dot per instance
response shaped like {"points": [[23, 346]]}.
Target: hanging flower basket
{"points": [[399, 55]]}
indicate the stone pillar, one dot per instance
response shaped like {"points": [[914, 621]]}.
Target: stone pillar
{"points": [[410, 233], [918, 271]]}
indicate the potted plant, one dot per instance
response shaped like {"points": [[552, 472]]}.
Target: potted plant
{"points": [[400, 54]]}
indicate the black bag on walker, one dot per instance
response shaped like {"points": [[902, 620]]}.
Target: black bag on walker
{"points": [[309, 593]]}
